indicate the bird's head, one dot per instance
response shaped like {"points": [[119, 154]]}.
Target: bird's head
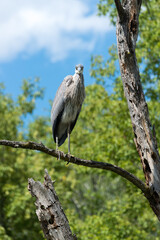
{"points": [[79, 69]]}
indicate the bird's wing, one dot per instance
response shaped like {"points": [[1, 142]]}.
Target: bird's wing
{"points": [[58, 104], [74, 122], [64, 136]]}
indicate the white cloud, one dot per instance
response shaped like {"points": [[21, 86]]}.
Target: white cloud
{"points": [[57, 26]]}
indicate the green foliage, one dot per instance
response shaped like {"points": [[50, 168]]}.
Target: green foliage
{"points": [[26, 100], [15, 201], [148, 49], [107, 7], [148, 45], [99, 204], [101, 70], [114, 223]]}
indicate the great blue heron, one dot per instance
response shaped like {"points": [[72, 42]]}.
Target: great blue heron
{"points": [[67, 106]]}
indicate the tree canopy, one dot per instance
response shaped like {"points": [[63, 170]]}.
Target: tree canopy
{"points": [[98, 204]]}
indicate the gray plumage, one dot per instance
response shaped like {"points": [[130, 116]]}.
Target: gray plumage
{"points": [[67, 105]]}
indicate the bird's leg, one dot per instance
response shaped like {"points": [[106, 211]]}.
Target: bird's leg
{"points": [[68, 131], [58, 158], [56, 143], [69, 140]]}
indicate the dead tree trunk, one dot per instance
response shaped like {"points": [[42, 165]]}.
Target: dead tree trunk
{"points": [[127, 33], [49, 211]]}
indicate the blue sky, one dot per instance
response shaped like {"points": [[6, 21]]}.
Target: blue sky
{"points": [[46, 39]]}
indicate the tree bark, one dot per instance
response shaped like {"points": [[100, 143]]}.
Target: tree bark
{"points": [[53, 220], [127, 33]]}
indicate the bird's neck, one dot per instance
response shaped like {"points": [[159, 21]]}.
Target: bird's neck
{"points": [[79, 74], [78, 79]]}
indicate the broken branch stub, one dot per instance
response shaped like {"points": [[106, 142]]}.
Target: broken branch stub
{"points": [[53, 220]]}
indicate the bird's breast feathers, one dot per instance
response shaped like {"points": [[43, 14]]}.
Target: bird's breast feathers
{"points": [[75, 89], [73, 97]]}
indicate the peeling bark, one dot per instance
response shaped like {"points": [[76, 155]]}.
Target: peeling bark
{"points": [[53, 220], [145, 140]]}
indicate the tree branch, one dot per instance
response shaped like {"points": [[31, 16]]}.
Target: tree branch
{"points": [[87, 163], [53, 220]]}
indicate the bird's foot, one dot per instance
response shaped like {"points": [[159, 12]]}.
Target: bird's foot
{"points": [[69, 157], [59, 155]]}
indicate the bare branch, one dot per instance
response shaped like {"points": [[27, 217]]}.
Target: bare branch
{"points": [[69, 158], [53, 220]]}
